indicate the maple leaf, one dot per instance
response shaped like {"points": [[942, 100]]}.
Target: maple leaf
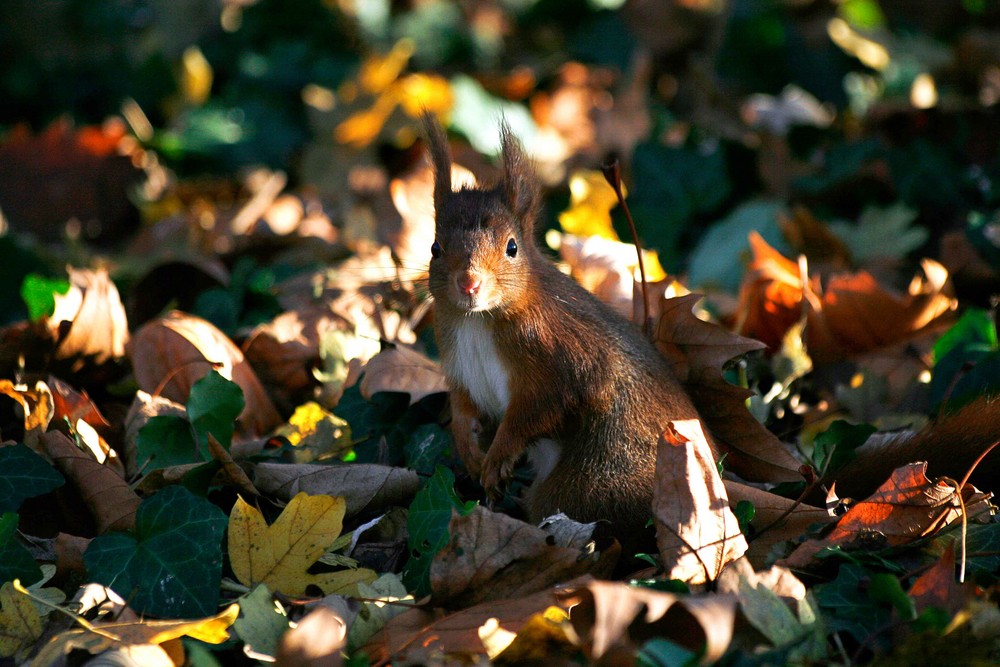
{"points": [[281, 554], [907, 507], [20, 623]]}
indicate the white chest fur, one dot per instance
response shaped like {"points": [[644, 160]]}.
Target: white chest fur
{"points": [[477, 366]]}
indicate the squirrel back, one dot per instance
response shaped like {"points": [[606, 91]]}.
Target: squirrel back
{"points": [[537, 364]]}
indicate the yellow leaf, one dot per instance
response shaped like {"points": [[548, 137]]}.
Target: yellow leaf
{"points": [[361, 128], [311, 425], [196, 76], [378, 72], [425, 92], [280, 555], [590, 202], [20, 624]]}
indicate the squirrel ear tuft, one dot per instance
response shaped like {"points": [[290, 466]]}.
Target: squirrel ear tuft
{"points": [[440, 158], [519, 181]]}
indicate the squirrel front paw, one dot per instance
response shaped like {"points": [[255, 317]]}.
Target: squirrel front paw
{"points": [[466, 433], [497, 474]]}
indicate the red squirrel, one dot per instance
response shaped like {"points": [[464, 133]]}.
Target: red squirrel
{"points": [[536, 364]]}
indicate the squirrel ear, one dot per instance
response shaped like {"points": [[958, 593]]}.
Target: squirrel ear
{"points": [[519, 182], [440, 157]]}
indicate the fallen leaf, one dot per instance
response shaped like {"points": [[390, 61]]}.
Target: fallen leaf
{"points": [[98, 328], [938, 586], [37, 405], [906, 507], [697, 352], [20, 624], [792, 520], [364, 487], [170, 354], [591, 199], [854, 313], [492, 556], [318, 640], [402, 369], [605, 614], [316, 434], [230, 470], [417, 631], [106, 495], [281, 554], [696, 532]]}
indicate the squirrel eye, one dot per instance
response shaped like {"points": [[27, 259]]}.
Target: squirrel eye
{"points": [[436, 250], [512, 248]]}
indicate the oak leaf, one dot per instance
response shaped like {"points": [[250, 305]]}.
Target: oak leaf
{"points": [[281, 554], [696, 532], [492, 556]]}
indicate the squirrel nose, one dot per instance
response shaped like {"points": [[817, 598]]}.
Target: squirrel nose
{"points": [[468, 283]]}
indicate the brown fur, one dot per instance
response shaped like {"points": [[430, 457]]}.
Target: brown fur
{"points": [[578, 373]]}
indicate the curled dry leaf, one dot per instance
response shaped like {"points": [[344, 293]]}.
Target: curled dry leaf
{"points": [[604, 613], [416, 631], [907, 507], [367, 487], [402, 369], [98, 327], [768, 509], [37, 405], [171, 353], [318, 640], [108, 499], [697, 352], [492, 556], [696, 532], [144, 407], [853, 314]]}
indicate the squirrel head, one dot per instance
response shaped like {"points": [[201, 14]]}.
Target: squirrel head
{"points": [[483, 254]]}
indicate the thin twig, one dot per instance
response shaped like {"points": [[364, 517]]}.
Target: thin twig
{"points": [[613, 175]]}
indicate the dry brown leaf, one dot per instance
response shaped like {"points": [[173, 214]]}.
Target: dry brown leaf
{"points": [[417, 632], [37, 405], [318, 640], [170, 354], [853, 314], [696, 532], [907, 507], [144, 407], [939, 587], [604, 613], [779, 580], [98, 328], [768, 508], [366, 487], [950, 446], [697, 352], [402, 369], [74, 405], [230, 470], [492, 556], [110, 501]]}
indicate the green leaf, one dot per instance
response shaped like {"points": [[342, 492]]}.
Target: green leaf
{"points": [[24, 474], [213, 406], [886, 588], [719, 259], [745, 512], [428, 445], [974, 329], [166, 440], [848, 606], [39, 293], [982, 545], [172, 566], [16, 562], [835, 447], [665, 653], [261, 623], [427, 522], [882, 232]]}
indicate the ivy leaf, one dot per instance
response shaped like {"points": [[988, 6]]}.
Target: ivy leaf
{"points": [[834, 447], [166, 441], [172, 566], [427, 523], [881, 232], [213, 406], [16, 562], [24, 474], [848, 605], [426, 447]]}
